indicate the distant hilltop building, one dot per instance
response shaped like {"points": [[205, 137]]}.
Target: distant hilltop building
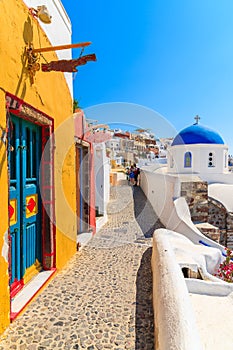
{"points": [[126, 147]]}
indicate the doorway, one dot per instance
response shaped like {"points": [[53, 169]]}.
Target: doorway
{"points": [[83, 188], [24, 202]]}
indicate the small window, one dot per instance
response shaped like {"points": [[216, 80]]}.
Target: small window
{"points": [[188, 160], [211, 160]]}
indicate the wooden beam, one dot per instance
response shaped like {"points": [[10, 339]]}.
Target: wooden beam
{"points": [[61, 47]]}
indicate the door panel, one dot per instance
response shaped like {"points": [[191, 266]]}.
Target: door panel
{"points": [[14, 209], [25, 153], [31, 241]]}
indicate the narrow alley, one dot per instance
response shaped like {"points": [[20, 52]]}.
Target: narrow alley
{"points": [[103, 298]]}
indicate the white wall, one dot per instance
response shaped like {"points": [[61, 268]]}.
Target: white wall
{"points": [[58, 32], [163, 192], [200, 155], [175, 324], [160, 189], [179, 324], [218, 178], [223, 193]]}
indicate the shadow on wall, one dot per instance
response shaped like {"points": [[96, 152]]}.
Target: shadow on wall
{"points": [[144, 213], [28, 39], [144, 320]]}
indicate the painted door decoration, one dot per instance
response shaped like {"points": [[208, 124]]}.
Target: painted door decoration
{"points": [[24, 204]]}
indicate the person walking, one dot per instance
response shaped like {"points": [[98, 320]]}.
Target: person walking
{"points": [[127, 172], [136, 174], [132, 175]]}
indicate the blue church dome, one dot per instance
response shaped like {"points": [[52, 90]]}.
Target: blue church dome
{"points": [[197, 134]]}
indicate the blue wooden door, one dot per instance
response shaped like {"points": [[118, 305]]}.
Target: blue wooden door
{"points": [[24, 206]]}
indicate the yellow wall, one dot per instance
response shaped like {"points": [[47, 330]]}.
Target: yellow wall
{"points": [[51, 95], [4, 289], [66, 192]]}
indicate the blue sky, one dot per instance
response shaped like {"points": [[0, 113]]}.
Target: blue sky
{"points": [[174, 57]]}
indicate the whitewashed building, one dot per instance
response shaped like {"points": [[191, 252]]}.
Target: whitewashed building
{"points": [[198, 149], [195, 187]]}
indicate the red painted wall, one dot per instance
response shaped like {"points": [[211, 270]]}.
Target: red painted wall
{"points": [[81, 133]]}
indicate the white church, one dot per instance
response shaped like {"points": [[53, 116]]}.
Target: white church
{"points": [[192, 196], [193, 192], [200, 150]]}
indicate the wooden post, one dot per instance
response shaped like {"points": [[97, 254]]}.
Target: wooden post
{"points": [[61, 47]]}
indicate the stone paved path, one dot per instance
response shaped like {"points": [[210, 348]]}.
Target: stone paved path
{"points": [[103, 298]]}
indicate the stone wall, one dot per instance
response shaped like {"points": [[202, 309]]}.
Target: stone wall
{"points": [[220, 217], [217, 217], [204, 209], [196, 195], [210, 231], [230, 230]]}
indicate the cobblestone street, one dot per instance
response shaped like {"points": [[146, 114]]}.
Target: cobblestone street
{"points": [[103, 298]]}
